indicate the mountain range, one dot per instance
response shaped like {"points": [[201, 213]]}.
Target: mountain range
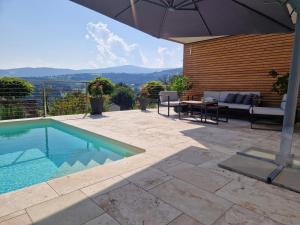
{"points": [[45, 71]]}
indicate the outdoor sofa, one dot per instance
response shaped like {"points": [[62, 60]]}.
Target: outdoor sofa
{"points": [[238, 102], [259, 113]]}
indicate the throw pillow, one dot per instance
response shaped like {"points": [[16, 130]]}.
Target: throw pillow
{"points": [[247, 100], [239, 99], [230, 98]]}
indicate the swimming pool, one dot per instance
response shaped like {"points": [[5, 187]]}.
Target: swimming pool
{"points": [[35, 151]]}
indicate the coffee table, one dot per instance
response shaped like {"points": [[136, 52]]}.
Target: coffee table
{"points": [[203, 110]]}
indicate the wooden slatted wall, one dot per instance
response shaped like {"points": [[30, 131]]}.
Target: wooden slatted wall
{"points": [[238, 63]]}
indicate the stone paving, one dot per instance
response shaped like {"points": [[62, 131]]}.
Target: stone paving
{"points": [[175, 182]]}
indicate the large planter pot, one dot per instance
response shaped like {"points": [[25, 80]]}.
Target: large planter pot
{"points": [[96, 105], [143, 103]]}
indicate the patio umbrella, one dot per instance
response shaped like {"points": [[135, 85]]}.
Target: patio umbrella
{"points": [[195, 18]]}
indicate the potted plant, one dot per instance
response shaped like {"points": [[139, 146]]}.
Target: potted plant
{"points": [[180, 83], [280, 85], [143, 98], [97, 89], [149, 91]]}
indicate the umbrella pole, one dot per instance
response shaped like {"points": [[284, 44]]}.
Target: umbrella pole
{"points": [[284, 156]]}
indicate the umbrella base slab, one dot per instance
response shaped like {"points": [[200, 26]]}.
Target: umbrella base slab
{"points": [[261, 168]]}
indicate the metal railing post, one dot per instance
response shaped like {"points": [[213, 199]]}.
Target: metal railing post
{"points": [[44, 100], [86, 98]]}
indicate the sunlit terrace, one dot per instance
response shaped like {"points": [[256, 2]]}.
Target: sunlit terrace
{"points": [[175, 181]]}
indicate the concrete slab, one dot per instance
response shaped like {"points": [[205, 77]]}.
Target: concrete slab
{"points": [[289, 178], [201, 205], [70, 209], [249, 166], [131, 205]]}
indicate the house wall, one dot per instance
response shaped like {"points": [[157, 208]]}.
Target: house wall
{"points": [[238, 63]]}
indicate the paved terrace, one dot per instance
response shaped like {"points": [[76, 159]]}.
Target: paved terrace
{"points": [[175, 182]]}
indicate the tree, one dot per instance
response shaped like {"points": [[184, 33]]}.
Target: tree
{"points": [[13, 87], [180, 83], [124, 97], [152, 89]]}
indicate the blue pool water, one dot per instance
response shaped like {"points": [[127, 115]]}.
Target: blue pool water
{"points": [[32, 152]]}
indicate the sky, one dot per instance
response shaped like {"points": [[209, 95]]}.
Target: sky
{"points": [[63, 34]]}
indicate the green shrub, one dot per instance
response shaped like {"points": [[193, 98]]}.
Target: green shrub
{"points": [[100, 86], [71, 103], [151, 89], [11, 111], [124, 97], [11, 87], [180, 83]]}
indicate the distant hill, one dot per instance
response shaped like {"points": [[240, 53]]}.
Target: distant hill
{"points": [[129, 78], [44, 71]]}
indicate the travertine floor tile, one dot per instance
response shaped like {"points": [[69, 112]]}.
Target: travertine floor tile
{"points": [[104, 219], [23, 198], [19, 220], [237, 215], [266, 203], [184, 220], [104, 186], [147, 178], [202, 205], [12, 215], [131, 205], [70, 209], [199, 177]]}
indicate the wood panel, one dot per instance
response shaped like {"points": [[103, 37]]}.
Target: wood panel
{"points": [[238, 63]]}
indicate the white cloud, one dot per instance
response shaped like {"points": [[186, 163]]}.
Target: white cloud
{"points": [[113, 50]]}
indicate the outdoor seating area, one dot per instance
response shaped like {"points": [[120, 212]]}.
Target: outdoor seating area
{"points": [[219, 106]]}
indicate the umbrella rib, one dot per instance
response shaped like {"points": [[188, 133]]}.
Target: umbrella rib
{"points": [[263, 15], [162, 22], [202, 18], [128, 7]]}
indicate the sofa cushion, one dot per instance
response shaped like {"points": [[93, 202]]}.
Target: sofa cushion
{"points": [[235, 106], [210, 99], [239, 99], [223, 95], [249, 93], [163, 96], [266, 111], [172, 103], [283, 102], [230, 98], [212, 94]]}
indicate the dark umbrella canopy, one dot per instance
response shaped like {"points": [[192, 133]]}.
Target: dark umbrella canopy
{"points": [[194, 18]]}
